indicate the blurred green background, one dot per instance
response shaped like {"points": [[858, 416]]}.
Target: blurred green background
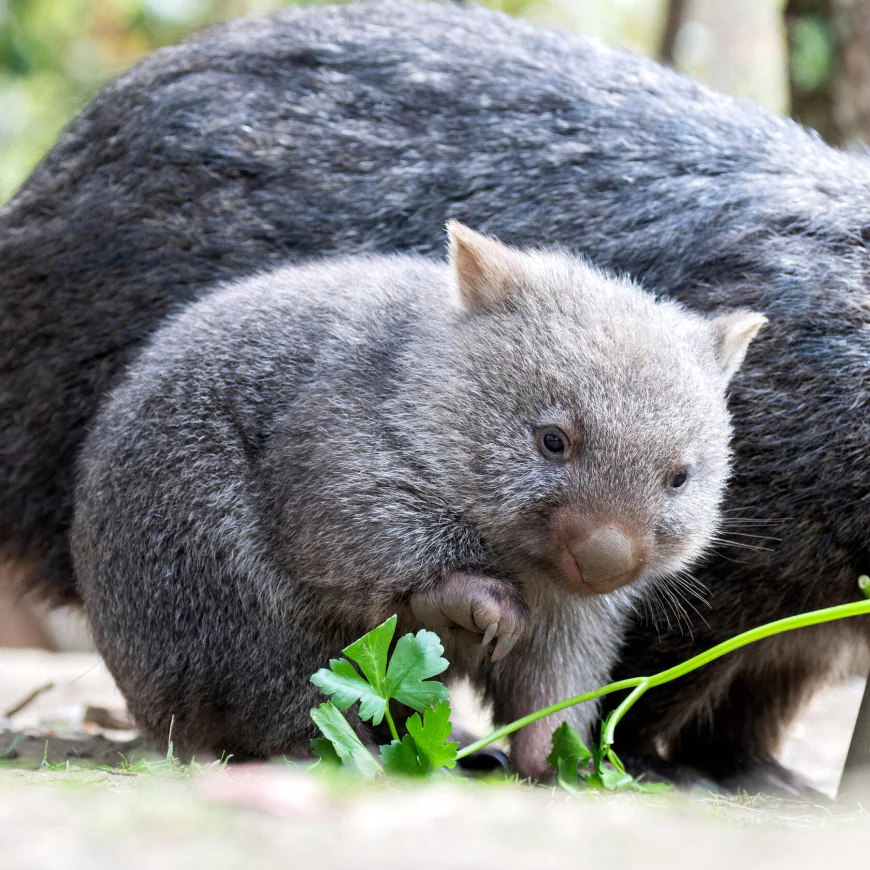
{"points": [[54, 54]]}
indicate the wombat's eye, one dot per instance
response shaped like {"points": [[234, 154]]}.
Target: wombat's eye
{"points": [[552, 443], [679, 478]]}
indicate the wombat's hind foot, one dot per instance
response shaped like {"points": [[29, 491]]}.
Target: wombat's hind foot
{"points": [[479, 608]]}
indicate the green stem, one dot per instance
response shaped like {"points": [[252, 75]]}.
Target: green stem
{"points": [[639, 685], [547, 711], [626, 704], [390, 722], [814, 617]]}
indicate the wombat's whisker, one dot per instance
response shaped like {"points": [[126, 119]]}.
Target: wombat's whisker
{"points": [[721, 555], [758, 520], [689, 586], [660, 601], [728, 524], [741, 545], [692, 586], [756, 537], [652, 607], [676, 605], [765, 520], [679, 587], [747, 524], [686, 618]]}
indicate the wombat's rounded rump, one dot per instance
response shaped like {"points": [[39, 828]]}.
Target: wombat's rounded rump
{"points": [[484, 449], [364, 127]]}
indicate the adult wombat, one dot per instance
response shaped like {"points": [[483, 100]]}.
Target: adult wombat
{"points": [[304, 453], [364, 128]]}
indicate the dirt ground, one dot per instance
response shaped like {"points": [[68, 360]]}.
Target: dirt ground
{"points": [[274, 815]]}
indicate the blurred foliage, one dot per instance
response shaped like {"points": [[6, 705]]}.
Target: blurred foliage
{"points": [[55, 54], [812, 53]]}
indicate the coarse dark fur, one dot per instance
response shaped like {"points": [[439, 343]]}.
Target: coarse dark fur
{"points": [[363, 129], [302, 454]]}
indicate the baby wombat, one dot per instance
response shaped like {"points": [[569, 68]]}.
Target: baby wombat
{"points": [[480, 447]]}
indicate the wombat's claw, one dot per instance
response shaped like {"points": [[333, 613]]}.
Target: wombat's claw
{"points": [[490, 633], [504, 645]]}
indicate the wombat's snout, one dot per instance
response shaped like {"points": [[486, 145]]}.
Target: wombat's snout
{"points": [[602, 559]]}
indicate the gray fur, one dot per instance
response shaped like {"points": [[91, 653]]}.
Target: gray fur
{"points": [[364, 128], [294, 457]]}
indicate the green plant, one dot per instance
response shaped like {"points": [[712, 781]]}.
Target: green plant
{"points": [[403, 676], [423, 750]]}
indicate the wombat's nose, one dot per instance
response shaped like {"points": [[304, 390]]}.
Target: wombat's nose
{"points": [[604, 556]]}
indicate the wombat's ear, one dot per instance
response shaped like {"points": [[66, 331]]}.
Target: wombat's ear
{"points": [[732, 334], [487, 274]]}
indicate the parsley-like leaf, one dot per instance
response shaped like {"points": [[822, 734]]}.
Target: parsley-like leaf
{"points": [[370, 653], [571, 757], [569, 751], [431, 736], [614, 780], [424, 749], [325, 751], [405, 678], [400, 758], [347, 746], [342, 681], [415, 659]]}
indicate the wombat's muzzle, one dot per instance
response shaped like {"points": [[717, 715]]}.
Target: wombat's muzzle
{"points": [[602, 559]]}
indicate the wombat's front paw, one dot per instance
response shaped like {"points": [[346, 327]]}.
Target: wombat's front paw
{"points": [[473, 605]]}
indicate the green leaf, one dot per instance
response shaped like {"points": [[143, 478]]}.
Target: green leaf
{"points": [[325, 751], [424, 749], [864, 584], [614, 780], [346, 686], [400, 758], [571, 757], [370, 653], [415, 659], [347, 746], [431, 736], [406, 678], [342, 681], [610, 779], [569, 751]]}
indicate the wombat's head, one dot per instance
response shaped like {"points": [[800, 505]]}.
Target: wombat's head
{"points": [[588, 423]]}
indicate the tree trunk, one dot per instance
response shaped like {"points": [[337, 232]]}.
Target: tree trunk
{"points": [[852, 86], [829, 67], [676, 16]]}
